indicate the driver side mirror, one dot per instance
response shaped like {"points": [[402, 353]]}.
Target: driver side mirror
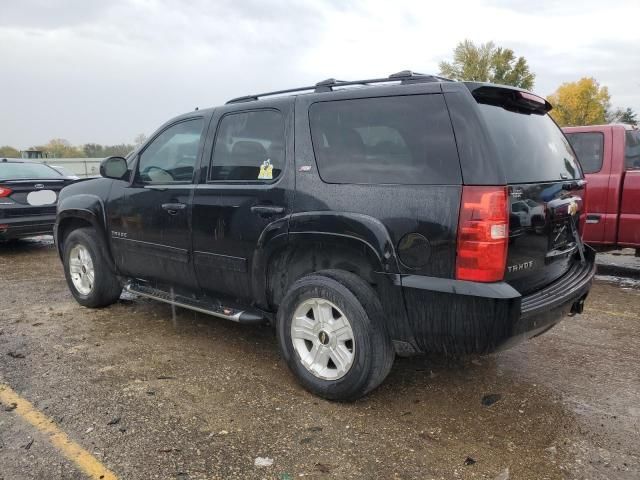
{"points": [[114, 167]]}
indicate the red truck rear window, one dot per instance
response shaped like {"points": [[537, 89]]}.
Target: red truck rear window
{"points": [[632, 150], [589, 147]]}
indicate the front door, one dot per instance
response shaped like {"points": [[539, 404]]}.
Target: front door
{"points": [[150, 216], [243, 196]]}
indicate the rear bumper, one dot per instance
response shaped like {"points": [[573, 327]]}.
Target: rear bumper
{"points": [[20, 227], [466, 317]]}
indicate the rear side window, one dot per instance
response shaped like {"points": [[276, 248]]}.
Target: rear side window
{"points": [[530, 146], [632, 150], [589, 148], [249, 147], [385, 140]]}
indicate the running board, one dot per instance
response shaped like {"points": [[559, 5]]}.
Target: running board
{"points": [[217, 310]]}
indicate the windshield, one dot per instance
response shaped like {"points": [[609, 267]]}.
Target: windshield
{"points": [[16, 171], [531, 147]]}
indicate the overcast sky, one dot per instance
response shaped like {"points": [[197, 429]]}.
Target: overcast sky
{"points": [[105, 71]]}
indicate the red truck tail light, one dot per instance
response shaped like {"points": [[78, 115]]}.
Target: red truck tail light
{"points": [[5, 192], [483, 234]]}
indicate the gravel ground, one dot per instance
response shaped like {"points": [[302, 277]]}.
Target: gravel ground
{"points": [[194, 397]]}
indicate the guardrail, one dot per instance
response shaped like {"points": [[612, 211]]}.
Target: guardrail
{"points": [[82, 167]]}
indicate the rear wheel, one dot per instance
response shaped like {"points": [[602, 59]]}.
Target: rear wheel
{"points": [[332, 335], [87, 270]]}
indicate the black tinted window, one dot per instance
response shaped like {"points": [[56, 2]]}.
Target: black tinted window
{"points": [[171, 156], [249, 146], [632, 150], [530, 147], [589, 147], [406, 140]]}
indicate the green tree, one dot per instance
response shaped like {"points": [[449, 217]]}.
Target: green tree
{"points": [[583, 102], [93, 150], [118, 150], [627, 116], [9, 152], [488, 63]]}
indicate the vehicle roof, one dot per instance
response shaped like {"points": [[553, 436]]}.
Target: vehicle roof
{"points": [[17, 160], [597, 128], [405, 81]]}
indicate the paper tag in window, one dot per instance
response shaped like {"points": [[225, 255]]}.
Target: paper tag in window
{"points": [[266, 170]]}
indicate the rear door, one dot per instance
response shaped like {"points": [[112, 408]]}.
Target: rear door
{"points": [[592, 148], [244, 194], [629, 229], [522, 147]]}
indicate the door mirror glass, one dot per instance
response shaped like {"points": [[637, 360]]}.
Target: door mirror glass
{"points": [[114, 167]]}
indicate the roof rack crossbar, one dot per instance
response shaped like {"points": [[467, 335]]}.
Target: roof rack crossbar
{"points": [[404, 77]]}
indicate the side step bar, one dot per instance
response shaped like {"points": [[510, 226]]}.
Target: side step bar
{"points": [[215, 309]]}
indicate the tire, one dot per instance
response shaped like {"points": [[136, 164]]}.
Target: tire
{"points": [[372, 352], [104, 289]]}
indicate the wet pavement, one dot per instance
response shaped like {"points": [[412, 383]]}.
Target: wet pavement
{"points": [[194, 397]]}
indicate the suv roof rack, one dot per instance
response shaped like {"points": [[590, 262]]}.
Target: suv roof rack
{"points": [[404, 77]]}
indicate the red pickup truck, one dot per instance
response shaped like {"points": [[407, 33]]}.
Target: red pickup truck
{"points": [[610, 158]]}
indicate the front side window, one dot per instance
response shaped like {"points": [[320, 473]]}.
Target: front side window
{"points": [[589, 148], [632, 150], [172, 155], [249, 146], [385, 140]]}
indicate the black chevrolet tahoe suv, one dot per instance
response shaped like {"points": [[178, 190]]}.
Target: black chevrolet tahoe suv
{"points": [[361, 219]]}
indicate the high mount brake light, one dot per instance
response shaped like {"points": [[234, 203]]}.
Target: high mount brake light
{"points": [[5, 192], [532, 98], [483, 234]]}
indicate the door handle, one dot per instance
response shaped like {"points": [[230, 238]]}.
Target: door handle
{"points": [[173, 208], [593, 218], [267, 210]]}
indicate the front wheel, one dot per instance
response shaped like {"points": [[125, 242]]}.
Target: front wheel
{"points": [[87, 270], [332, 335]]}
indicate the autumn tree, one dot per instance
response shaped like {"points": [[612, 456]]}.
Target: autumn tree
{"points": [[9, 152], [583, 102], [488, 63], [60, 148]]}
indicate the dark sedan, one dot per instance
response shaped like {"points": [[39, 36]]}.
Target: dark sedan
{"points": [[28, 198]]}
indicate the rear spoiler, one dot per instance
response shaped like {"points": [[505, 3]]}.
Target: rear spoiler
{"points": [[508, 98]]}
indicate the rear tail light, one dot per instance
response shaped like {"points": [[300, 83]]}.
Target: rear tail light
{"points": [[5, 192], [483, 234]]}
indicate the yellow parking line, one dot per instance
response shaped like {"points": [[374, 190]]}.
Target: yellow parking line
{"points": [[74, 452], [615, 314]]}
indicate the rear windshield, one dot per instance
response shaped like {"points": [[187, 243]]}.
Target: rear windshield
{"points": [[632, 150], [531, 147], [589, 147], [14, 171], [385, 140]]}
